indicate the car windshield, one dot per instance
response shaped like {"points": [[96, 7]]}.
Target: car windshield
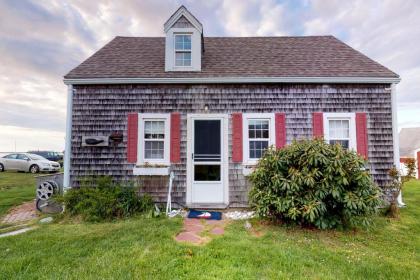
{"points": [[36, 157]]}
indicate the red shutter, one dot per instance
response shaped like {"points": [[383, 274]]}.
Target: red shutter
{"points": [[175, 137], [132, 135], [361, 134], [317, 125], [280, 119], [237, 137]]}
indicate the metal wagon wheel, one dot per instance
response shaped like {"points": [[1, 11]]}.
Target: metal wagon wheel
{"points": [[49, 206], [46, 190]]}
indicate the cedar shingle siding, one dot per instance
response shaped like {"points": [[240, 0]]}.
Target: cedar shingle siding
{"points": [[102, 109]]}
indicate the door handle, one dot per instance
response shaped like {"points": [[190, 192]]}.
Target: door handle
{"points": [[192, 155]]}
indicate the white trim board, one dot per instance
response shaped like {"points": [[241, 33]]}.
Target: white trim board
{"points": [[67, 151], [227, 80], [182, 11]]}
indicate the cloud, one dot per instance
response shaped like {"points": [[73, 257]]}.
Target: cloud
{"points": [[386, 31], [41, 40], [25, 139]]}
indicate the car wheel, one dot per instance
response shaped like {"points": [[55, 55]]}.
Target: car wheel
{"points": [[1, 167], [34, 169]]}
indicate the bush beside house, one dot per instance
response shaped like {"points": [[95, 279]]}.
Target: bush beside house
{"points": [[101, 199], [313, 183]]}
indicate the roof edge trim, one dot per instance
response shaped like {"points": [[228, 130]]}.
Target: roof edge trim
{"points": [[235, 80], [182, 11]]}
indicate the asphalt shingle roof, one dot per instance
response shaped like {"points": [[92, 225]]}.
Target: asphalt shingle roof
{"points": [[311, 56]]}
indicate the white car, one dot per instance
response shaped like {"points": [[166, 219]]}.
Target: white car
{"points": [[28, 163]]}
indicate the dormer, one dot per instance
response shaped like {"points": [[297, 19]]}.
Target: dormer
{"points": [[183, 45]]}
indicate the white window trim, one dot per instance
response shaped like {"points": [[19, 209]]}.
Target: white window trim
{"points": [[341, 116], [141, 141], [272, 138], [195, 49], [185, 51]]}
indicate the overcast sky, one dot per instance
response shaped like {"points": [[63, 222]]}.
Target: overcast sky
{"points": [[41, 40]]}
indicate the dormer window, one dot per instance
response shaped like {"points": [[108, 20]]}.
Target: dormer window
{"points": [[184, 44], [182, 50]]}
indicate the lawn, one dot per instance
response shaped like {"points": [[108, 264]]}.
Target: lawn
{"points": [[142, 248], [15, 188]]}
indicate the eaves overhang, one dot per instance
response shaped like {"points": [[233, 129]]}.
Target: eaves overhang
{"points": [[235, 80]]}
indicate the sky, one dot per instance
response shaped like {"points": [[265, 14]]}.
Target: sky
{"points": [[42, 40]]}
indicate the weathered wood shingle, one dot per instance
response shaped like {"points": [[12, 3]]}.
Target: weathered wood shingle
{"points": [[102, 109]]}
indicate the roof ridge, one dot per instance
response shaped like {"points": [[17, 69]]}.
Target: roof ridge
{"points": [[234, 37]]}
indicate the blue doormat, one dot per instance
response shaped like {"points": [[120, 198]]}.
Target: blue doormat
{"points": [[203, 215]]}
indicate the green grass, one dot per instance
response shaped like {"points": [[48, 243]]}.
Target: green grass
{"points": [[15, 188], [143, 248]]}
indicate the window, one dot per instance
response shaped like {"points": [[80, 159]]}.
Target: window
{"points": [[154, 135], [258, 135], [339, 132], [183, 50], [22, 157], [12, 156], [339, 128]]}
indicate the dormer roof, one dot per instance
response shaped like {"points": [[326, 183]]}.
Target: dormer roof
{"points": [[181, 13]]}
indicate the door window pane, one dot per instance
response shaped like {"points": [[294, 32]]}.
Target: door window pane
{"points": [[207, 140], [206, 172]]}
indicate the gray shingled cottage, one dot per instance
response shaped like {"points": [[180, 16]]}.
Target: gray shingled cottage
{"points": [[205, 108]]}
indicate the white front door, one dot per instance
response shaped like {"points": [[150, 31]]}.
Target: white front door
{"points": [[207, 165]]}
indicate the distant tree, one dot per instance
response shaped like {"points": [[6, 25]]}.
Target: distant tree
{"points": [[411, 168], [396, 186]]}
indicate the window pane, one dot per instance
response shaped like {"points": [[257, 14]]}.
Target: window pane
{"points": [[257, 148], [343, 143], [153, 149], [182, 58], [207, 140], [183, 42], [265, 133], [23, 157], [12, 156], [258, 129], [207, 172], [154, 129], [339, 129]]}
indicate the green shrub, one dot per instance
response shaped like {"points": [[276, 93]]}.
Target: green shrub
{"points": [[312, 183], [101, 199]]}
